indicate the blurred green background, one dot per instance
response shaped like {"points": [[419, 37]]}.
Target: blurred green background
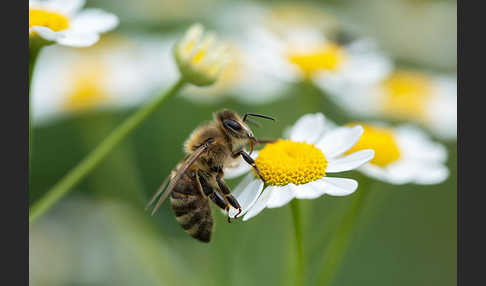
{"points": [[100, 235]]}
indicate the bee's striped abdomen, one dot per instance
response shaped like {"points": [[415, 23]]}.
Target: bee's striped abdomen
{"points": [[192, 210]]}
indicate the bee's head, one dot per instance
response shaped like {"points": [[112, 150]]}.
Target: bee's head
{"points": [[235, 126]]}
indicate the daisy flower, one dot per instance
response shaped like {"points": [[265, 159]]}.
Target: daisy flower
{"points": [[288, 43], [307, 42], [407, 95], [299, 167], [403, 154], [308, 54], [64, 22], [118, 72]]}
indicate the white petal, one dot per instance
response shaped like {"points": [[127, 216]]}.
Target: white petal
{"points": [[259, 204], [68, 7], [401, 172], [281, 195], [339, 140], [241, 167], [336, 186], [350, 162], [73, 39], [307, 191], [416, 144], [432, 174], [381, 174], [94, 21], [408, 171], [246, 193], [46, 33], [308, 128], [442, 110]]}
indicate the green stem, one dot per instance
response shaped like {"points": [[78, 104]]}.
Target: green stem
{"points": [[99, 153], [33, 54], [339, 243], [296, 217]]}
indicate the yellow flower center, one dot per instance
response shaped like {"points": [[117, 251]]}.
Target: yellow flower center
{"points": [[328, 57], [284, 162], [87, 90], [406, 95], [380, 139], [52, 20]]}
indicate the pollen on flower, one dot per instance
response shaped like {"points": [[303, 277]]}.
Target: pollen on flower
{"points": [[52, 20], [380, 139], [328, 57], [406, 94], [285, 162]]}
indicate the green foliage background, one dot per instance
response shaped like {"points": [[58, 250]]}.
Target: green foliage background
{"points": [[406, 234]]}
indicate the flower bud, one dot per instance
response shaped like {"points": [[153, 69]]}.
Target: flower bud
{"points": [[200, 56]]}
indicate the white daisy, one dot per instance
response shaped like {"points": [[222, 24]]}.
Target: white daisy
{"points": [[299, 166], [403, 154], [308, 54], [287, 43], [426, 99], [118, 72], [65, 23]]}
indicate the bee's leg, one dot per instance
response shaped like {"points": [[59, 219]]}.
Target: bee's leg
{"points": [[207, 189], [265, 141], [227, 194], [250, 161]]}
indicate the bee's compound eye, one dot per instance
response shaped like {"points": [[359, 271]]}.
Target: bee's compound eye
{"points": [[232, 124]]}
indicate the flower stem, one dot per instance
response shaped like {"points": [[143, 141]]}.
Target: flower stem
{"points": [[296, 217], [33, 54], [339, 243], [99, 153]]}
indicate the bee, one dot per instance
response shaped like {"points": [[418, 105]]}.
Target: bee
{"points": [[198, 177]]}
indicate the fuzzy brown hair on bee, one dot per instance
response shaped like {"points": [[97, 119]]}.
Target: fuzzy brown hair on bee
{"points": [[198, 177]]}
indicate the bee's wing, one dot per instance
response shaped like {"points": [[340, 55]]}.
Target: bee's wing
{"points": [[161, 188], [179, 173]]}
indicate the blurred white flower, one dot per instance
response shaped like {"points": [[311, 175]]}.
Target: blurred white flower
{"points": [[308, 54], [298, 167], [200, 56], [403, 154], [65, 23], [242, 78], [426, 99], [116, 73], [287, 43]]}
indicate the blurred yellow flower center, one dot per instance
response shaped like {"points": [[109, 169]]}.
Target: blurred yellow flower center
{"points": [[285, 162], [380, 139], [406, 95], [52, 20], [328, 57], [87, 90]]}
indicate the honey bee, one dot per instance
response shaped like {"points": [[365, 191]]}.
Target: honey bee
{"points": [[199, 175]]}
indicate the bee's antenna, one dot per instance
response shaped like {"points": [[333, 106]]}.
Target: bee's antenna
{"points": [[257, 115]]}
